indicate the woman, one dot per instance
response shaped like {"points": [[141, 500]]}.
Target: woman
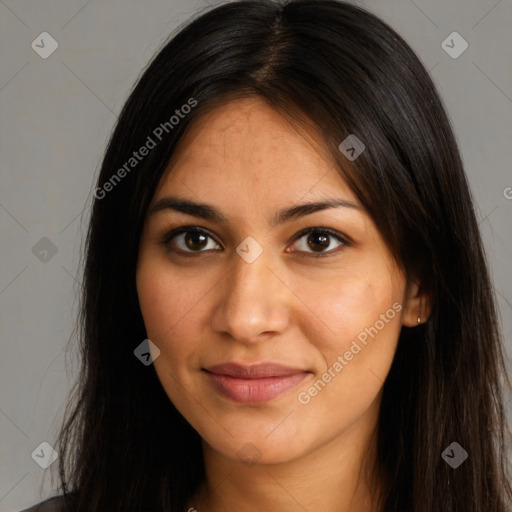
{"points": [[286, 303]]}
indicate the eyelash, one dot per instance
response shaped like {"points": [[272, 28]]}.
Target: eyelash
{"points": [[169, 236]]}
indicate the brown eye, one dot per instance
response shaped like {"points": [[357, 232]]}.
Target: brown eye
{"points": [[189, 240], [195, 241], [316, 240]]}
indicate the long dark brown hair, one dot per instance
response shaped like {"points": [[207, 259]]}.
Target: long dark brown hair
{"points": [[123, 445]]}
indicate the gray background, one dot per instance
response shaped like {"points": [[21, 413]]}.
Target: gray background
{"points": [[57, 114]]}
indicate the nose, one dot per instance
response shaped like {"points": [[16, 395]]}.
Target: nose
{"points": [[252, 301]]}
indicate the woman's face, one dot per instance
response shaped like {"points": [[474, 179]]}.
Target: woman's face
{"points": [[307, 322]]}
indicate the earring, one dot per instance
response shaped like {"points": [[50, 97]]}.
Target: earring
{"points": [[419, 320]]}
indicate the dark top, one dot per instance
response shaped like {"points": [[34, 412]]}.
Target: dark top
{"points": [[50, 505]]}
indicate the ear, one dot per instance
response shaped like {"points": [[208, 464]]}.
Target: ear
{"points": [[417, 306]]}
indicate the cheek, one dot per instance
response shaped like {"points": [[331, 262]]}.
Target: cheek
{"points": [[348, 305], [156, 303], [173, 309], [167, 307], [165, 300], [361, 323]]}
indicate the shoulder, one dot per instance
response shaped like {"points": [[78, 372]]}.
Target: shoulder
{"points": [[55, 504]]}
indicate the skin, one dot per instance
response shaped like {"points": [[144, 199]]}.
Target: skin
{"points": [[287, 306]]}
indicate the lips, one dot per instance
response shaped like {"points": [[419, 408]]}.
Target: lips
{"points": [[259, 371], [254, 383]]}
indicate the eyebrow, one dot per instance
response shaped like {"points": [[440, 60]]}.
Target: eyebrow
{"points": [[209, 212]]}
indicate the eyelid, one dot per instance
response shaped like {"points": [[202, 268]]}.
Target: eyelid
{"points": [[344, 239]]}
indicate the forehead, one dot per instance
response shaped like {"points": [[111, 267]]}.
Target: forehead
{"points": [[247, 145]]}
